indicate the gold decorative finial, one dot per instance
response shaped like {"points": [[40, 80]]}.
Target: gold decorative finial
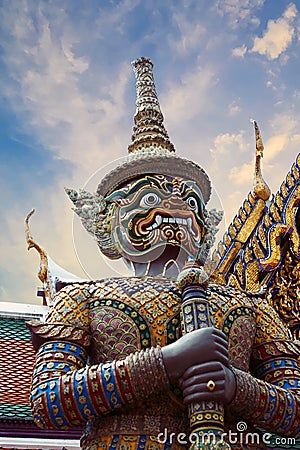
{"points": [[148, 131], [260, 188], [32, 244]]}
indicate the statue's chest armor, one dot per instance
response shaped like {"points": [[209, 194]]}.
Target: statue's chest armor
{"points": [[235, 314], [130, 314], [133, 314]]}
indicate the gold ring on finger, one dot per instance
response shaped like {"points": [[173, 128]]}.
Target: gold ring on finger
{"points": [[211, 385]]}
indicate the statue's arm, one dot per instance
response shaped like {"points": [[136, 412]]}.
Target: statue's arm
{"points": [[66, 392], [270, 396]]}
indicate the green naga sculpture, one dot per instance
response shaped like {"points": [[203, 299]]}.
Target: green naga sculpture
{"points": [[189, 351]]}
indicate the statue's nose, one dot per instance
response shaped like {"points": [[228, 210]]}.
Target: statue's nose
{"points": [[174, 202]]}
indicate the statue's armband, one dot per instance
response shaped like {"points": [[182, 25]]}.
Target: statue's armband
{"points": [[272, 405]]}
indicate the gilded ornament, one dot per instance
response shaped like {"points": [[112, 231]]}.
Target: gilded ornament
{"points": [[108, 338]]}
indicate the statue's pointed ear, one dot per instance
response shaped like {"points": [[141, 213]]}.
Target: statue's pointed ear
{"points": [[215, 216], [72, 194], [87, 206], [85, 199]]}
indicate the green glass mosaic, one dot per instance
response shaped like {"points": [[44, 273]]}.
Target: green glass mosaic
{"points": [[10, 411], [14, 329]]}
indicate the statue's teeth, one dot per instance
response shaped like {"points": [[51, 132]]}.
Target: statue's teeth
{"points": [[158, 220]]}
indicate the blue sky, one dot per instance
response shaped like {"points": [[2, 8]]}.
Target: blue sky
{"points": [[68, 100]]}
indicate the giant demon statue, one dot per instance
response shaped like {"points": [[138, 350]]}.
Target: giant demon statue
{"points": [[150, 361]]}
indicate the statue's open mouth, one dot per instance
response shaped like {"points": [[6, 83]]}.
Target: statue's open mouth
{"points": [[159, 219]]}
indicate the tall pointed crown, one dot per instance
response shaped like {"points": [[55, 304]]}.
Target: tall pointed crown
{"points": [[151, 151], [149, 130]]}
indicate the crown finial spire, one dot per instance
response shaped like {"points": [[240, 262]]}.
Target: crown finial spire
{"points": [[148, 131], [261, 189]]}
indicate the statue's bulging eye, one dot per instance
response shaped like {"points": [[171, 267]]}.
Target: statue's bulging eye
{"points": [[149, 200], [192, 202]]}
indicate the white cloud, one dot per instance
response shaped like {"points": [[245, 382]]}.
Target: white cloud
{"points": [[275, 145], [295, 140], [271, 85], [234, 108], [285, 122], [227, 143], [239, 52], [290, 12], [191, 32], [52, 85], [242, 175], [278, 36], [286, 130], [240, 12], [189, 98], [296, 94], [79, 64]]}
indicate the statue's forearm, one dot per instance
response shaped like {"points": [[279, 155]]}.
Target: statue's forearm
{"points": [[66, 392], [269, 406]]}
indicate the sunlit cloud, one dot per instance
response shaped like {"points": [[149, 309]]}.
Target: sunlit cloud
{"points": [[240, 12], [191, 32], [278, 35], [242, 175], [227, 143], [234, 108], [190, 96], [239, 52], [53, 90], [283, 141]]}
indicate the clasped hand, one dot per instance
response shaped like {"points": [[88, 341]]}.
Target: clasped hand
{"points": [[197, 358]]}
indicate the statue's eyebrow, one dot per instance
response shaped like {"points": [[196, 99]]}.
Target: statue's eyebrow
{"points": [[191, 185], [121, 193]]}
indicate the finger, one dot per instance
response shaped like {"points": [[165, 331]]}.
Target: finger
{"points": [[222, 349], [201, 389], [221, 341], [205, 368], [222, 357], [220, 334], [204, 395], [202, 379]]}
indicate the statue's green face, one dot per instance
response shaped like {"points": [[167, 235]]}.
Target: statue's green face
{"points": [[157, 212]]}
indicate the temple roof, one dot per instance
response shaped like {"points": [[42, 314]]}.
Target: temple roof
{"points": [[16, 366], [16, 363]]}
